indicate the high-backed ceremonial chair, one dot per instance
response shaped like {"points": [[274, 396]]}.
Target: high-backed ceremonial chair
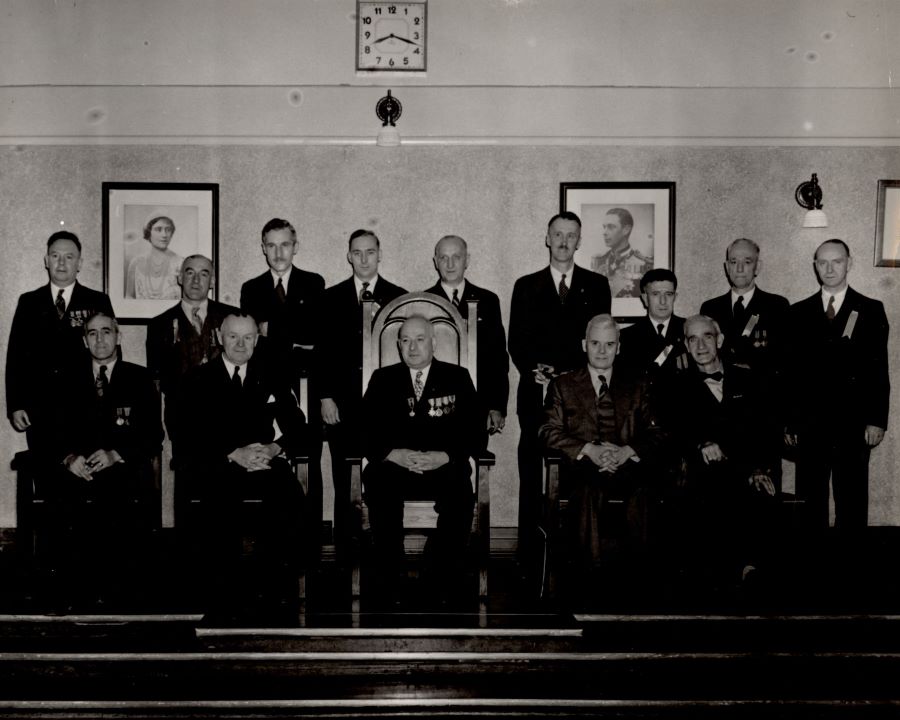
{"points": [[457, 344]]}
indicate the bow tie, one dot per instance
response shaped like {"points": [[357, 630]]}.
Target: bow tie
{"points": [[717, 375]]}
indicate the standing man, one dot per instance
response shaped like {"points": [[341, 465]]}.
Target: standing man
{"points": [[339, 370], [549, 311], [622, 265], [47, 335], [655, 345], [283, 301], [241, 426], [840, 391], [106, 434], [423, 425], [184, 336], [600, 418], [451, 258]]}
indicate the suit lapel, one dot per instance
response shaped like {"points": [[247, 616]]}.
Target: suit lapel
{"points": [[586, 395]]}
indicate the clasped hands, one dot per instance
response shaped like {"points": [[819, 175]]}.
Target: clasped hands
{"points": [[759, 479], [85, 467], [607, 456], [418, 461], [255, 456]]}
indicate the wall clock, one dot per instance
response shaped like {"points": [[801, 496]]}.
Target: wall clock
{"points": [[391, 36]]}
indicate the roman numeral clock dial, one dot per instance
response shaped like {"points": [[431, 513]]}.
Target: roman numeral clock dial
{"points": [[391, 36]]}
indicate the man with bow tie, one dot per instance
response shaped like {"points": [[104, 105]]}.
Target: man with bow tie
{"points": [[840, 391], [601, 418], [423, 425], [727, 465], [47, 335], [106, 434]]}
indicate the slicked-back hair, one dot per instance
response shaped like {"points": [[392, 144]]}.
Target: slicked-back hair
{"points": [[659, 275], [731, 245], [360, 233], [835, 241], [278, 224], [565, 215], [624, 216], [64, 235], [452, 237], [601, 320], [100, 314], [698, 317]]}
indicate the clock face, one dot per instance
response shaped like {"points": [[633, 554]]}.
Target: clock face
{"points": [[391, 36]]}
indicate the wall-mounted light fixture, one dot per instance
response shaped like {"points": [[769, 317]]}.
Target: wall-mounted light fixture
{"points": [[388, 110], [809, 195]]}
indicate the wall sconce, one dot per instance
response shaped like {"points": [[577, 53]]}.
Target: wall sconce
{"points": [[388, 110], [809, 195]]}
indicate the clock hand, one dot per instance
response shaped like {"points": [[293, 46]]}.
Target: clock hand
{"points": [[382, 39], [405, 40]]}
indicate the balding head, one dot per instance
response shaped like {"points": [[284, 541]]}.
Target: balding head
{"points": [[416, 342]]}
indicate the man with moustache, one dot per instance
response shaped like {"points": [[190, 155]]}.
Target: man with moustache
{"points": [[840, 390], [47, 335], [549, 311], [241, 426], [184, 336], [451, 259], [284, 300], [97, 475], [601, 418], [339, 366]]}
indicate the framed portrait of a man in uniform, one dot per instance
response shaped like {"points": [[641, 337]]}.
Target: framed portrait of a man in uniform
{"points": [[627, 228]]}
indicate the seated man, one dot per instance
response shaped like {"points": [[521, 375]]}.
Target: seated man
{"points": [[727, 461], [423, 424], [601, 419], [240, 426], [106, 434]]}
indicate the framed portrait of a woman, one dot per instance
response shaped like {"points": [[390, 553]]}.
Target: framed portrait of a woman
{"points": [[148, 231]]}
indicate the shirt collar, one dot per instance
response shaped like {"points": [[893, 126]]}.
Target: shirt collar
{"points": [[748, 296], [110, 364], [557, 276], [285, 279], [230, 366], [359, 285], [595, 380], [665, 324], [448, 289], [188, 308], [838, 298], [67, 292], [413, 371]]}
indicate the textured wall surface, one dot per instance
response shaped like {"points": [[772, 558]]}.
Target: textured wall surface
{"points": [[498, 198]]}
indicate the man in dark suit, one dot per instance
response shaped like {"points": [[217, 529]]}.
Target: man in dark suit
{"points": [[600, 417], [283, 301], [549, 311], [451, 258], [424, 424], [339, 368], [727, 485], [655, 345], [47, 335], [755, 325], [184, 336], [239, 450], [840, 390], [106, 435]]}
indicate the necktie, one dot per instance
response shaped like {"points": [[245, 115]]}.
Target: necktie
{"points": [[418, 387], [196, 321], [829, 313], [236, 378], [659, 329], [365, 294], [60, 304], [101, 383], [738, 311], [280, 293], [563, 288], [455, 299], [715, 376], [604, 388]]}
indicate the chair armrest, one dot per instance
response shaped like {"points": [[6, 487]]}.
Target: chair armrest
{"points": [[485, 458]]}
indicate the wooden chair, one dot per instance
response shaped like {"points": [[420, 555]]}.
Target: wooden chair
{"points": [[456, 343]]}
